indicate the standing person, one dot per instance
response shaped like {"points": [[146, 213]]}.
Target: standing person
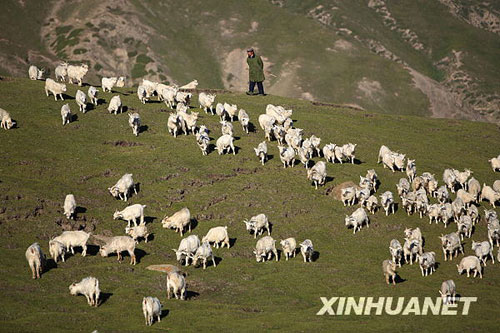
{"points": [[255, 72]]}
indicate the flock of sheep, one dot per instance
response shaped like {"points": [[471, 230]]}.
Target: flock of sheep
{"points": [[414, 191]]}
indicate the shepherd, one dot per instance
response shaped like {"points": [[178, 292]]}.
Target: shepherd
{"points": [[255, 72]]}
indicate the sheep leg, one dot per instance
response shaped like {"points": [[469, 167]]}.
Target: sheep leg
{"points": [[84, 252]]}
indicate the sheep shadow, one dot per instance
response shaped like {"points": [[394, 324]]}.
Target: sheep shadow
{"points": [[164, 313], [50, 264], [315, 256], [232, 241], [191, 294], [193, 223], [139, 254], [124, 109], [67, 97], [269, 157], [328, 179], [211, 148], [149, 219], [399, 279], [396, 207], [74, 118], [251, 128], [103, 298], [93, 250], [100, 101], [80, 210], [357, 161], [143, 128], [151, 237], [137, 187]]}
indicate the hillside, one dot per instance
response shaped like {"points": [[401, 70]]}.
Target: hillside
{"points": [[42, 161], [425, 57]]}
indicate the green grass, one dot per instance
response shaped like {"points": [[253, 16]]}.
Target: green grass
{"points": [[42, 161]]}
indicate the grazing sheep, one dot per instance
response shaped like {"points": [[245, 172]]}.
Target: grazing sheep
{"points": [[92, 93], [393, 161], [414, 234], [178, 221], [187, 248], [307, 250], [57, 250], [387, 202], [495, 186], [224, 143], [176, 284], [357, 219], [257, 224], [134, 121], [203, 252], [495, 163], [77, 73], [72, 239], [372, 204], [89, 287], [488, 194], [289, 246], [317, 174], [244, 119], [389, 270], [122, 187], [448, 291], [366, 183], [36, 260], [466, 197], [265, 248], [34, 73], [470, 263], [226, 128], [115, 105], [217, 235], [54, 88], [81, 100], [65, 114], [417, 183], [61, 71], [287, 156], [348, 196], [261, 151], [203, 141], [462, 177], [383, 150], [411, 248], [6, 121], [396, 251], [121, 82], [206, 102], [427, 262], [151, 307], [69, 206], [119, 244], [131, 213], [483, 250], [142, 94], [140, 231]]}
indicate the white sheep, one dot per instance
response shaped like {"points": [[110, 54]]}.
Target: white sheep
{"points": [[176, 284], [34, 73], [219, 110], [89, 287], [389, 270], [448, 291], [134, 121], [183, 97], [119, 244], [383, 151], [81, 101], [92, 93], [307, 250], [244, 119], [203, 252], [122, 187], [450, 179], [61, 71], [304, 156], [357, 219], [224, 143], [329, 152], [36, 260], [427, 262], [231, 109], [372, 204], [77, 73], [349, 150], [487, 193], [72, 239], [396, 251], [466, 197], [121, 82], [54, 88], [206, 102], [411, 248], [317, 174], [6, 121], [483, 250], [203, 141], [348, 196], [151, 307], [226, 128], [217, 235], [70, 206], [178, 221], [140, 231], [131, 213], [451, 244], [403, 187], [261, 151], [142, 94], [279, 133], [387, 201], [66, 114], [411, 169], [168, 95], [495, 163], [115, 105], [287, 156], [265, 248], [266, 121], [174, 125], [289, 246], [187, 248], [257, 224], [57, 250], [468, 264]]}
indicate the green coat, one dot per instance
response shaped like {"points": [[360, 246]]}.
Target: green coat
{"points": [[255, 69]]}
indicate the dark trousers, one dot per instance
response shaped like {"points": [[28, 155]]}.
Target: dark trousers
{"points": [[259, 86]]}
